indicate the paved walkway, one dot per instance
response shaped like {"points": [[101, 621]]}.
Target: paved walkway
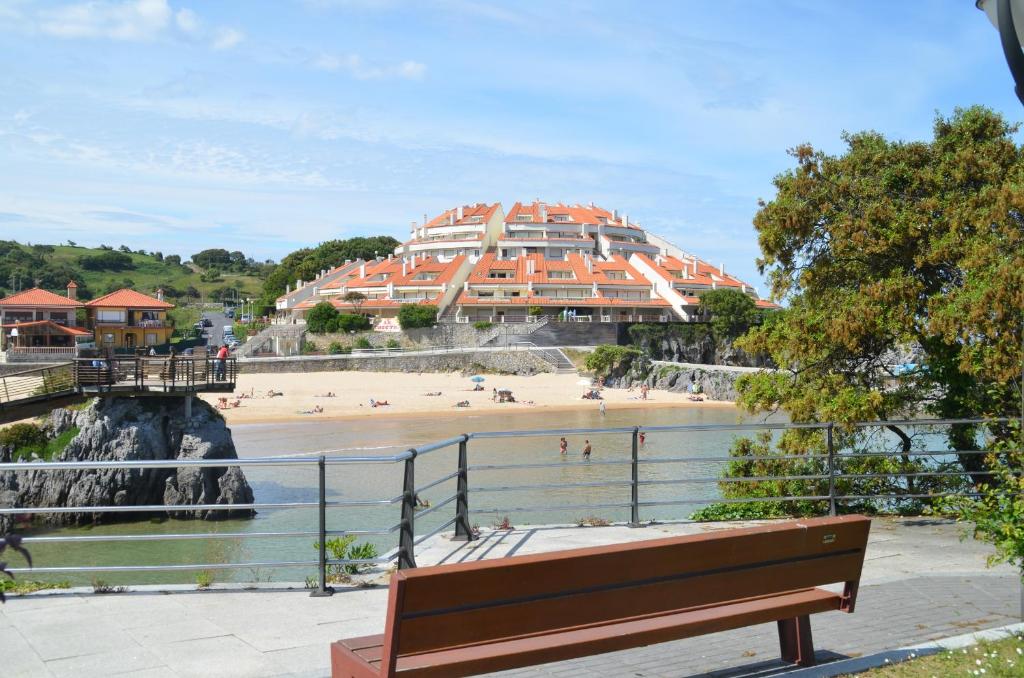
{"points": [[920, 583]]}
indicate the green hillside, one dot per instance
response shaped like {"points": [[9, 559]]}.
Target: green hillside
{"points": [[98, 271]]}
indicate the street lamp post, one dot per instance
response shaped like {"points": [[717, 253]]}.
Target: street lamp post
{"points": [[1011, 33]]}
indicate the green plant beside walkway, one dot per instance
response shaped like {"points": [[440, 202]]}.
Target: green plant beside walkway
{"points": [[345, 548]]}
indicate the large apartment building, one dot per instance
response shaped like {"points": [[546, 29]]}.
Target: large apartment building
{"points": [[561, 261]]}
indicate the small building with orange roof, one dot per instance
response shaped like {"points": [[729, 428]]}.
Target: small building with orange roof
{"points": [[127, 319], [386, 284], [466, 231], [37, 324], [577, 288]]}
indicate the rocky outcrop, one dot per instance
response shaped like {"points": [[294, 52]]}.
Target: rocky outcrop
{"points": [[691, 343], [714, 382], [128, 429]]}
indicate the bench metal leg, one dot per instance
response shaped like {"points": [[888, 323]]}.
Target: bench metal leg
{"points": [[795, 640]]}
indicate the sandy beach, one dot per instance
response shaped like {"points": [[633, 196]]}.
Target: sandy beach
{"points": [[407, 395]]}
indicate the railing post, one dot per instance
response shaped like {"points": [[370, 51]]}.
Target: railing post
{"points": [[322, 588], [463, 530], [407, 531], [831, 470], [634, 485]]}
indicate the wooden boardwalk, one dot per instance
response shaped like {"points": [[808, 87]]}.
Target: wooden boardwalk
{"points": [[32, 392]]}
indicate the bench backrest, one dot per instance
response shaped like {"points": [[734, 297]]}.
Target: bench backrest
{"points": [[447, 606]]}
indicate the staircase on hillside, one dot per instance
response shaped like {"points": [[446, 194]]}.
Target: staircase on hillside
{"points": [[276, 339], [553, 356]]}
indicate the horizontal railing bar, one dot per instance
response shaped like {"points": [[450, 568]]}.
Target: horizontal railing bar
{"points": [[435, 531], [550, 486], [162, 537], [572, 507], [360, 502], [730, 427], [390, 459], [748, 457], [160, 568], [929, 453], [929, 422], [441, 444], [908, 496], [710, 479], [157, 508], [453, 474], [427, 511], [923, 474], [548, 432], [745, 500], [169, 463], [502, 467]]}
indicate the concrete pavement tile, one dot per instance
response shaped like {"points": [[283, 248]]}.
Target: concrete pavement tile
{"points": [[164, 632], [57, 638], [104, 664], [224, 657], [20, 659], [308, 659], [50, 601], [160, 672]]}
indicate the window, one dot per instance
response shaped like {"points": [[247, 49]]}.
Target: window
{"points": [[615, 275], [504, 275], [108, 339], [524, 217], [561, 275], [426, 275], [108, 316], [151, 339], [59, 318], [560, 217]]}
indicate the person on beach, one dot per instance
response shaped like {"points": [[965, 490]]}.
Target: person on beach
{"points": [[643, 392], [601, 407], [563, 445], [586, 449]]}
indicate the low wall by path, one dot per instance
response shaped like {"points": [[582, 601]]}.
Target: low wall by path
{"points": [[509, 362]]}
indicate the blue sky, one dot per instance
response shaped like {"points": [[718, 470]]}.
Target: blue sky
{"points": [[267, 126]]}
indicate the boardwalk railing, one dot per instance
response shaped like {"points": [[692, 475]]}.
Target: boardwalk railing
{"points": [[450, 491], [39, 383]]}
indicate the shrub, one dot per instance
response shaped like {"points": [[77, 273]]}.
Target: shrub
{"points": [[308, 347], [349, 322], [320, 316], [761, 510], [363, 342], [483, 325], [25, 440], [393, 343], [108, 260], [412, 315], [336, 348], [343, 548], [607, 356], [535, 310]]}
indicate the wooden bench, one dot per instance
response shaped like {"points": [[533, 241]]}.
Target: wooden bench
{"points": [[471, 618]]}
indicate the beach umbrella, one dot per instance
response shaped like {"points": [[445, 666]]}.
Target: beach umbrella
{"points": [[477, 379]]}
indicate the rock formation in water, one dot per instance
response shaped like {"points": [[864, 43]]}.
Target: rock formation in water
{"points": [[715, 382], [120, 429]]}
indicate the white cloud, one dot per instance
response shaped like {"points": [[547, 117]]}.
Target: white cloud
{"points": [[354, 65], [227, 38], [138, 20], [187, 21]]}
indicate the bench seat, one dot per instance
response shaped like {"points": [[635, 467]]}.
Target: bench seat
{"points": [[584, 641]]}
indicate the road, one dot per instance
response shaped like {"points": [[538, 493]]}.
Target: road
{"points": [[215, 334]]}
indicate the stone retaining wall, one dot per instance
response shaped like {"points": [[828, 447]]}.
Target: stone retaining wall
{"points": [[509, 362]]}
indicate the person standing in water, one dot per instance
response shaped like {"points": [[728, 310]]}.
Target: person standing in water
{"points": [[601, 407], [563, 445], [586, 449], [642, 437]]}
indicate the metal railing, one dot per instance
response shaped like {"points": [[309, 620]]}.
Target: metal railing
{"points": [[37, 383], [457, 504], [163, 373]]}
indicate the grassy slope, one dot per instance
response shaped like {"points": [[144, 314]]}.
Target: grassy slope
{"points": [[1000, 659], [149, 274]]}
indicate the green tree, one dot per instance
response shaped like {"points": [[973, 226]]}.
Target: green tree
{"points": [[108, 260], [732, 312], [212, 257], [320, 318], [355, 298], [413, 315], [889, 246]]}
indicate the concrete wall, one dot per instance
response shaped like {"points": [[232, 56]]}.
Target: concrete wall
{"points": [[511, 362]]}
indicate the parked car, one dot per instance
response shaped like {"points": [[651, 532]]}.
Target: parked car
{"points": [[206, 322], [230, 313]]}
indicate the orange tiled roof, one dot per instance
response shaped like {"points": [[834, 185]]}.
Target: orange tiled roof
{"points": [[543, 268], [468, 212], [73, 331], [706, 273], [578, 214], [391, 270], [39, 297], [127, 298]]}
